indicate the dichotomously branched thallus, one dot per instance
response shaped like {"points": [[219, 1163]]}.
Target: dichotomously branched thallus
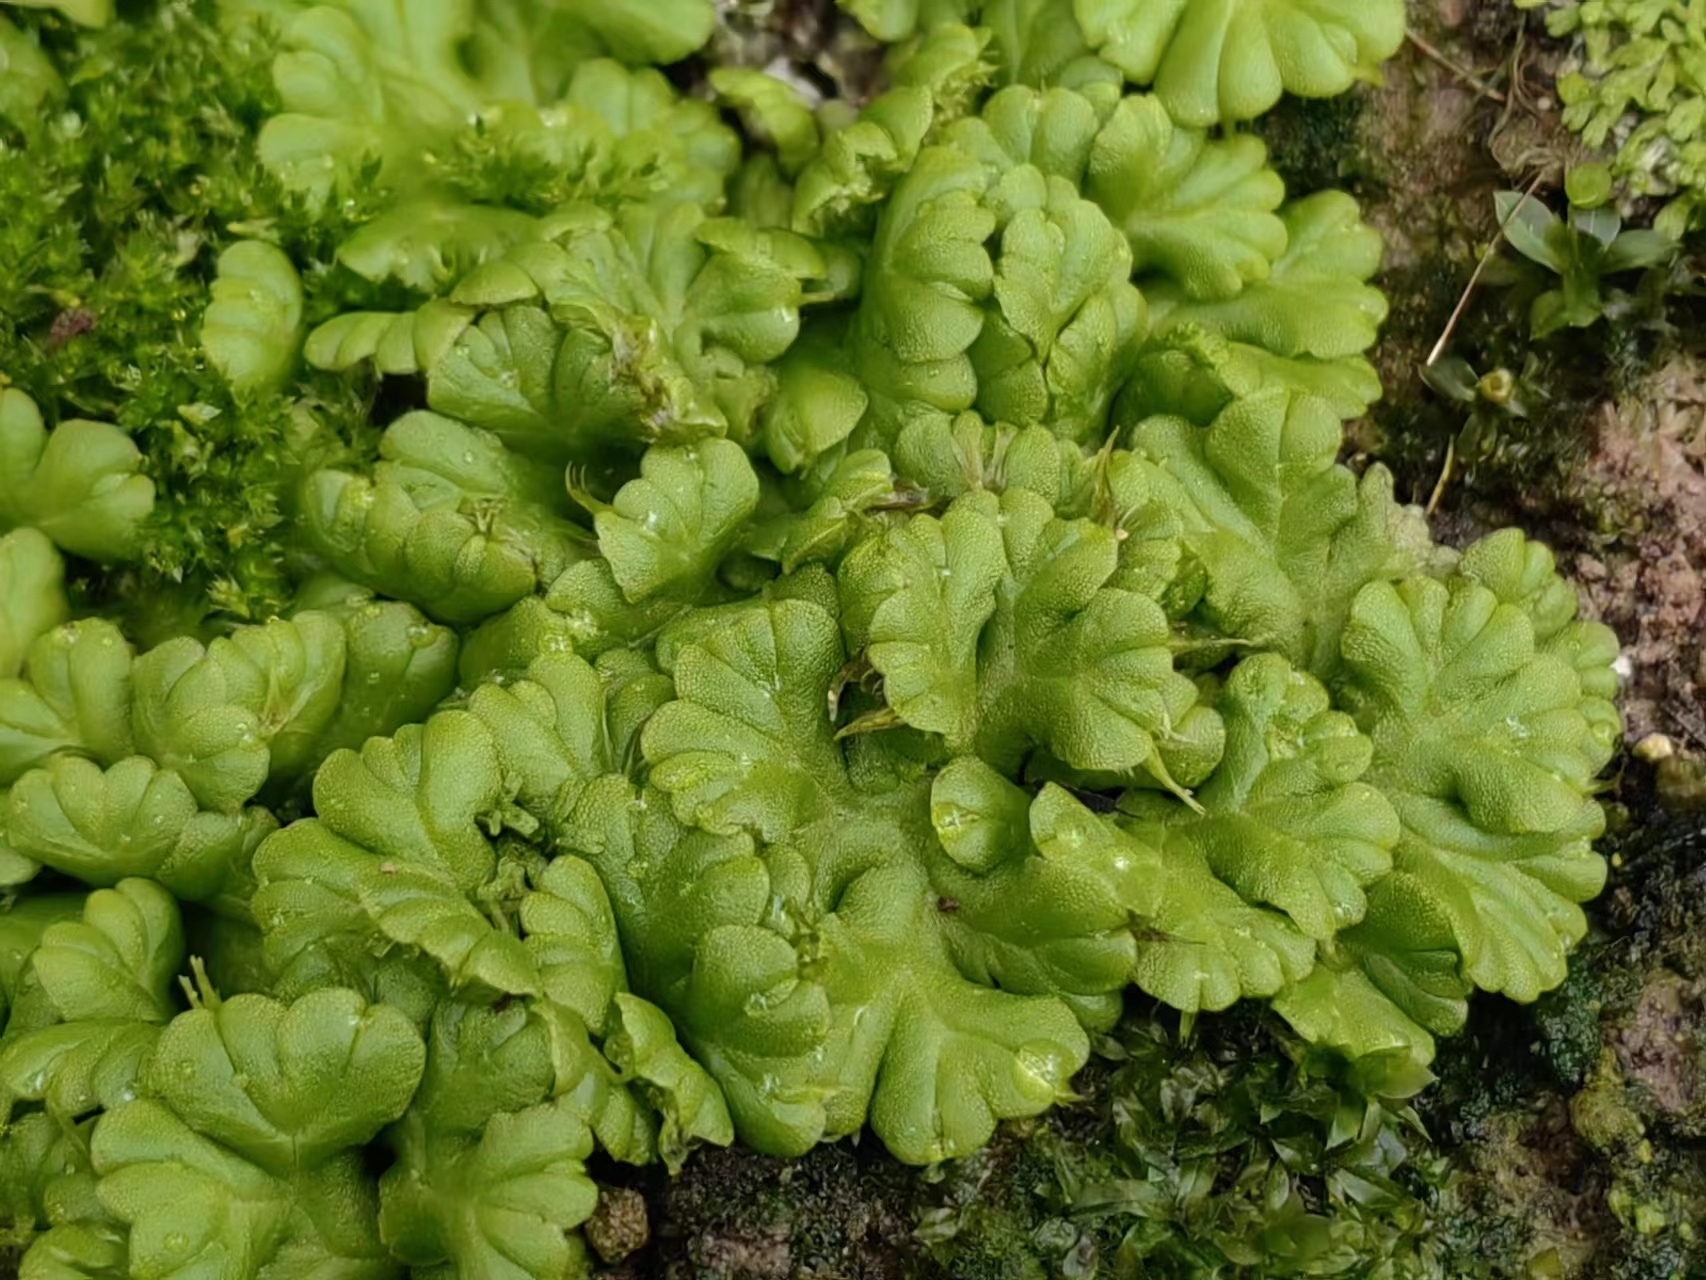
{"points": [[867, 590]]}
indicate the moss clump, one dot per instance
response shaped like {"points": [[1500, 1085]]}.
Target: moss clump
{"points": [[1580, 1124], [1568, 1022], [619, 1226], [1317, 143], [839, 1211], [1224, 1152]]}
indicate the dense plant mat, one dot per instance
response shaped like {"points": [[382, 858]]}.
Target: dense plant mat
{"points": [[558, 613]]}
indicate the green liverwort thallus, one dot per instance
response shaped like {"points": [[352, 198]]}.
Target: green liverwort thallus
{"points": [[865, 590]]}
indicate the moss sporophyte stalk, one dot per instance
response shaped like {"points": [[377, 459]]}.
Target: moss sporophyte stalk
{"points": [[784, 615]]}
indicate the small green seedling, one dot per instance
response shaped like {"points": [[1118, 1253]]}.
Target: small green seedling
{"points": [[1455, 379], [1496, 407], [1582, 249]]}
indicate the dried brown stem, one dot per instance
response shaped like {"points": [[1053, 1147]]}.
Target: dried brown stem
{"points": [[1463, 73]]}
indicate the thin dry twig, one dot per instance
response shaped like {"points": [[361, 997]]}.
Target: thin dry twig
{"points": [[1543, 154], [1444, 477], [1463, 73], [1480, 269], [1451, 327], [1519, 96]]}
